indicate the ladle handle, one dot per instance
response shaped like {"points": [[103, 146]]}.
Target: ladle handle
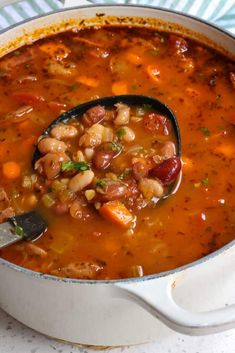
{"points": [[157, 297]]}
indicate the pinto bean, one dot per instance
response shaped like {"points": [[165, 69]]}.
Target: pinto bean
{"points": [[167, 170], [50, 164], [168, 149], [140, 170], [79, 209], [93, 115], [111, 190], [93, 136], [81, 180], [128, 134], [156, 123], [51, 145], [123, 114], [63, 131], [151, 188], [102, 159]]}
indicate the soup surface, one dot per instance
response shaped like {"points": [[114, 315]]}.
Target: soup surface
{"points": [[85, 240]]}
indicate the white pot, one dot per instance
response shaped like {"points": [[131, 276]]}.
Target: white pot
{"points": [[193, 299]]}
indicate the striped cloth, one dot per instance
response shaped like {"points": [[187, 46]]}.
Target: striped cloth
{"points": [[220, 12]]}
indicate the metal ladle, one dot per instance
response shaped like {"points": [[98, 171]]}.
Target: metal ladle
{"points": [[31, 224]]}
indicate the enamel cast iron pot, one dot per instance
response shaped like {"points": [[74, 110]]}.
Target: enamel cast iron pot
{"points": [[195, 299]]}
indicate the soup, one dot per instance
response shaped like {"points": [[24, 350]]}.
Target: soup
{"points": [[86, 237]]}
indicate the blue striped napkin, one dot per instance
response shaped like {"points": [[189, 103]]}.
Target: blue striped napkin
{"points": [[220, 12]]}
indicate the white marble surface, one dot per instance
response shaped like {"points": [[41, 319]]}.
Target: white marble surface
{"points": [[16, 338]]}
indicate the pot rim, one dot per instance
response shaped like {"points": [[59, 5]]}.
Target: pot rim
{"points": [[224, 248]]}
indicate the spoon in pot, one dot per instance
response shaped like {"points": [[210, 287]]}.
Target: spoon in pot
{"points": [[31, 226]]}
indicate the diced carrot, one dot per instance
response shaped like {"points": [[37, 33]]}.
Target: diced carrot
{"points": [[119, 87], [116, 212], [153, 72], [133, 58], [57, 50], [11, 170], [88, 81]]}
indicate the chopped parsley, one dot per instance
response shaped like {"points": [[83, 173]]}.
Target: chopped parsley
{"points": [[124, 174], [205, 182], [146, 106], [19, 231], [206, 132], [121, 132], [115, 146], [101, 183], [74, 166]]}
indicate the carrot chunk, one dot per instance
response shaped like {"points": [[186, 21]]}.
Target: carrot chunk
{"points": [[119, 87], [57, 50], [88, 81], [11, 170], [116, 212], [153, 72], [133, 58]]}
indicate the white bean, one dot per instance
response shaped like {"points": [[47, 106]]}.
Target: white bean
{"points": [[62, 131], [81, 180], [151, 188], [123, 114], [128, 134], [89, 153], [51, 145], [93, 136], [107, 134]]}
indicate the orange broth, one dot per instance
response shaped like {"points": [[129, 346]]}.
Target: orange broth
{"points": [[196, 82]]}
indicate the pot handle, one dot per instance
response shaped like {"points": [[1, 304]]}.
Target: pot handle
{"points": [[163, 306]]}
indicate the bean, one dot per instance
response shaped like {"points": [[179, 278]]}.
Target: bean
{"points": [[51, 145], [102, 159], [150, 188], [89, 153], [79, 209], [93, 136], [93, 115], [140, 170], [168, 149], [128, 134], [156, 123], [81, 180], [104, 154], [63, 131], [112, 190], [50, 164], [167, 170], [123, 114]]}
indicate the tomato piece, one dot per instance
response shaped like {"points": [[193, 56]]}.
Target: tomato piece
{"points": [[156, 123], [27, 98], [167, 170]]}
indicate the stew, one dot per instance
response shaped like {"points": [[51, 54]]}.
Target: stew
{"points": [[99, 178]]}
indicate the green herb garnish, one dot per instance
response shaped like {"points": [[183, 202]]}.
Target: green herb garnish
{"points": [[146, 106], [74, 166], [101, 183], [19, 231], [115, 146], [121, 132], [124, 174], [205, 182], [17, 53], [205, 131]]}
